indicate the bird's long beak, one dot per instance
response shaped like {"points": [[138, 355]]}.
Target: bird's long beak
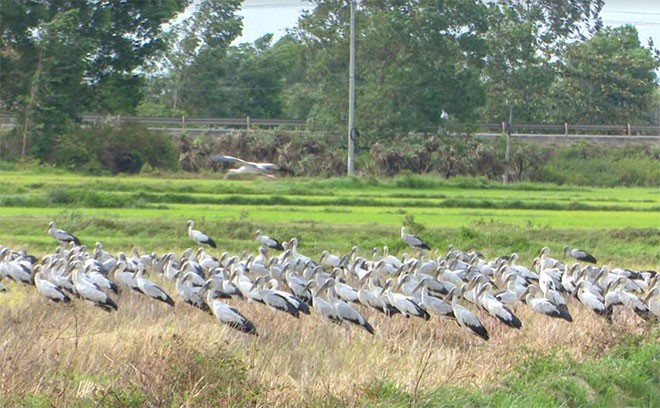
{"points": [[322, 287], [254, 285], [419, 285], [385, 286], [308, 285], [577, 287], [365, 277]]}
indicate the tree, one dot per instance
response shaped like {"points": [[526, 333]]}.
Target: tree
{"points": [[60, 58], [55, 98], [525, 40], [554, 23], [204, 36], [415, 58], [243, 80], [608, 79]]}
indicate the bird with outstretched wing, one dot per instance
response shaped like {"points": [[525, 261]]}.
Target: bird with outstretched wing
{"points": [[247, 167]]}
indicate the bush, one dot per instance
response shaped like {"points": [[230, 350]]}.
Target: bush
{"points": [[125, 149], [604, 166], [117, 149]]}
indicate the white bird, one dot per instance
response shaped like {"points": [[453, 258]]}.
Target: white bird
{"points": [[652, 300], [332, 260], [99, 279], [274, 299], [412, 240], [464, 317], [496, 308], [323, 307], [247, 167], [579, 254], [629, 299], [62, 236], [123, 276], [20, 270], [151, 289], [543, 305], [267, 241], [227, 314], [187, 292], [592, 300], [199, 236], [48, 289], [90, 292], [342, 311], [432, 304], [405, 304]]}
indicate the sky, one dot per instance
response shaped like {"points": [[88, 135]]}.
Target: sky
{"points": [[275, 16]]}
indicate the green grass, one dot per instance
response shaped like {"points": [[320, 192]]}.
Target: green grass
{"points": [[620, 226], [331, 213], [628, 375]]}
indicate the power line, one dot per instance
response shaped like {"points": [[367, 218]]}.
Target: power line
{"points": [[639, 23], [640, 13], [279, 5]]}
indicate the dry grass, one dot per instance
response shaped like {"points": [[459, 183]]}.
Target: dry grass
{"points": [[179, 356]]}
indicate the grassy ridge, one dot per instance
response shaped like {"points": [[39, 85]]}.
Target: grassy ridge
{"points": [[332, 214]]}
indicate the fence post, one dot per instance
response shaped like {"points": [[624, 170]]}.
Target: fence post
{"points": [[565, 128], [118, 120], [247, 122], [629, 131], [183, 122]]}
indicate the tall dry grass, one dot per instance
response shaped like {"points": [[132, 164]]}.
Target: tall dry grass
{"points": [[150, 353]]}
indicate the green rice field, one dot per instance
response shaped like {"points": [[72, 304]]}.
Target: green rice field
{"points": [[152, 212]]}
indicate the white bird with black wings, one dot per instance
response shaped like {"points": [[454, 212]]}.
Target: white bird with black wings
{"points": [[247, 167]]}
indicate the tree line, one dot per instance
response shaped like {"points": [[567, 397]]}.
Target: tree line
{"points": [[527, 61]]}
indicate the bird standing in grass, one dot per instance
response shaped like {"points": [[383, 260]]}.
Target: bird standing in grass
{"points": [[62, 236], [579, 254], [413, 240], [267, 241], [199, 236], [151, 289], [464, 317], [48, 289], [225, 313]]}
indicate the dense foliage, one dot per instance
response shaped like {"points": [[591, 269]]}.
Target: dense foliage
{"points": [[526, 61]]}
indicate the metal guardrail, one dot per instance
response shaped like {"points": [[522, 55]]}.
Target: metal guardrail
{"points": [[521, 130], [182, 121]]}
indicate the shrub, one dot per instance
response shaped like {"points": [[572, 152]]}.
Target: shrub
{"points": [[117, 149], [125, 149]]}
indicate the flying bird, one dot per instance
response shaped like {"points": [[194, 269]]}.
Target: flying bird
{"points": [[247, 167], [61, 235], [199, 236]]}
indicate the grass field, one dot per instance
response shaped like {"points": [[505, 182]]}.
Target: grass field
{"points": [[148, 354]]}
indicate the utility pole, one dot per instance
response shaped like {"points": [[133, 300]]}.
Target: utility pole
{"points": [[507, 152], [351, 91]]}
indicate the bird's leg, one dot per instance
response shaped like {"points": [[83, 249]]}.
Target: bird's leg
{"points": [[442, 331]]}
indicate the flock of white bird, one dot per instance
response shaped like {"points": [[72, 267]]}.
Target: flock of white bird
{"points": [[339, 288]]}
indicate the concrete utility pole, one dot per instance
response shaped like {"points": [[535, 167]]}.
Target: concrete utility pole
{"points": [[351, 91], [507, 152]]}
